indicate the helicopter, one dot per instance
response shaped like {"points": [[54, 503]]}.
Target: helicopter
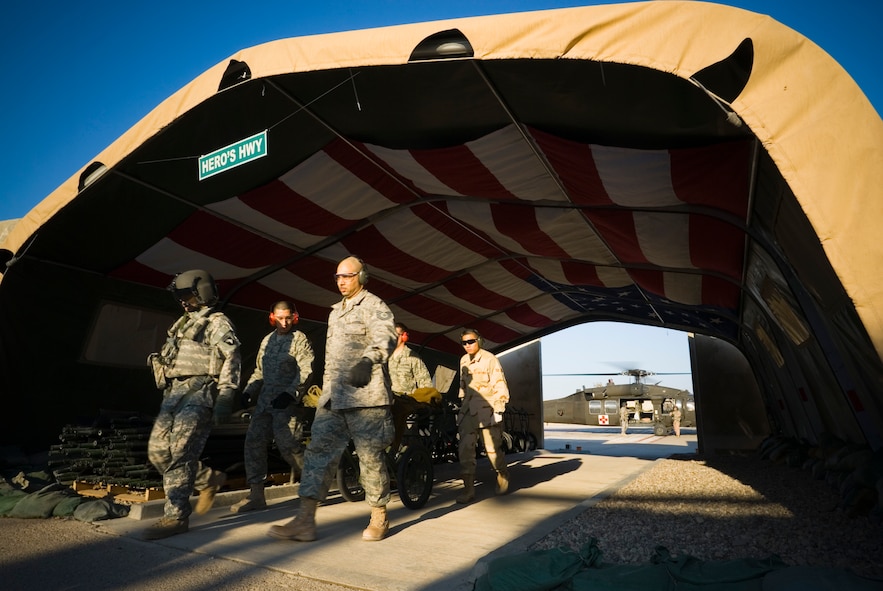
{"points": [[648, 404]]}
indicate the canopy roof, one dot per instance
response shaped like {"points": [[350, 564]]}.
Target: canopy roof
{"points": [[677, 164]]}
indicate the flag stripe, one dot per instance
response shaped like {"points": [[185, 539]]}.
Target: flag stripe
{"points": [[628, 233]]}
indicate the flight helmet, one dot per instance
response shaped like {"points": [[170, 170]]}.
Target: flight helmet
{"points": [[196, 282]]}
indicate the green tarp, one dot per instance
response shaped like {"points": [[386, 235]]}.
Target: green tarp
{"points": [[563, 569]]}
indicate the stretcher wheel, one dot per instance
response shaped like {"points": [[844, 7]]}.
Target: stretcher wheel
{"points": [[348, 472], [414, 476]]}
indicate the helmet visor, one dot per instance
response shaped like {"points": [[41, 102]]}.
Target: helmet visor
{"points": [[180, 294], [183, 295]]}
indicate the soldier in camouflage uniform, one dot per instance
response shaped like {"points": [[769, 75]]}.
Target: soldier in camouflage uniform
{"points": [[483, 398], [406, 370], [355, 404], [278, 383], [623, 419], [199, 370]]}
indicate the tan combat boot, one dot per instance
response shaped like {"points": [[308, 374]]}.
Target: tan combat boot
{"points": [[165, 527], [253, 502], [468, 489], [207, 495], [502, 481], [378, 526], [303, 527]]}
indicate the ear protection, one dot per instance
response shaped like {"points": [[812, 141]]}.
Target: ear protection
{"points": [[294, 317], [477, 336], [363, 272]]}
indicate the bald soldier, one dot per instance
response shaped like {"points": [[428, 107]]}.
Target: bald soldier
{"points": [[355, 404]]}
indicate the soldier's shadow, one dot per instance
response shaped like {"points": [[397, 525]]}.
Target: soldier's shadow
{"points": [[522, 476]]}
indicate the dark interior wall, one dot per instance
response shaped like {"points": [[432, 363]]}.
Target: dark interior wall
{"points": [[816, 365], [730, 411], [46, 384], [46, 313]]}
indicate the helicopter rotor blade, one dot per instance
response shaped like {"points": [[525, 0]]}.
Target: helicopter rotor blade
{"points": [[632, 372], [622, 366], [584, 374]]}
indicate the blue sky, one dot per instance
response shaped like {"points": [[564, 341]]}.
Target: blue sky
{"points": [[77, 75]]}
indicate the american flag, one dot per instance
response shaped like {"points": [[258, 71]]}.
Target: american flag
{"points": [[512, 233]]}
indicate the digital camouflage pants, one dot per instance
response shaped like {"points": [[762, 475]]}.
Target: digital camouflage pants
{"points": [[370, 429], [264, 428], [176, 443]]}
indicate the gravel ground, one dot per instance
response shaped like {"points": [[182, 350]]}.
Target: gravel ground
{"points": [[726, 509], [68, 555]]}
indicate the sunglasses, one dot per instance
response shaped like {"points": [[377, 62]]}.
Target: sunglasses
{"points": [[344, 276], [469, 342]]}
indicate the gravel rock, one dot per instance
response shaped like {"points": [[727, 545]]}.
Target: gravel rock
{"points": [[727, 508]]}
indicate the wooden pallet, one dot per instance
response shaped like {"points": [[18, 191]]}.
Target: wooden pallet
{"points": [[122, 494], [125, 494]]}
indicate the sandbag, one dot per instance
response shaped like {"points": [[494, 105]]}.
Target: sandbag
{"points": [[562, 568], [42, 503], [99, 510], [814, 578], [538, 570], [9, 498], [66, 507]]}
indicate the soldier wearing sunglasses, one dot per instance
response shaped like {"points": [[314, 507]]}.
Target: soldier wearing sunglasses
{"points": [[483, 397]]}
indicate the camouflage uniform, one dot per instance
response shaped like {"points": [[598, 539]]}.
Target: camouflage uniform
{"points": [[204, 360], [360, 327], [676, 420], [407, 372], [483, 394], [284, 362], [623, 419]]}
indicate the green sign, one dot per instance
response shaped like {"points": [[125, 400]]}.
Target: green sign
{"points": [[251, 148]]}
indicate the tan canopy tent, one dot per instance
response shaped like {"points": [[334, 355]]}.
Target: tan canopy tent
{"points": [[676, 164]]}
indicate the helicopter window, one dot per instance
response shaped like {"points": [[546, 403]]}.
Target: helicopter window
{"points": [[668, 405], [611, 407], [691, 406], [595, 407]]}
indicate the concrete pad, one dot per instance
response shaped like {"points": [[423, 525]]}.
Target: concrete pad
{"points": [[441, 546]]}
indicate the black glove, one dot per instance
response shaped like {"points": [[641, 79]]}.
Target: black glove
{"points": [[282, 401], [245, 399], [300, 392], [360, 374], [224, 406]]}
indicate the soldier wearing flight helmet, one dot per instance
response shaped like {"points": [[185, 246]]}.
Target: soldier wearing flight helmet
{"points": [[198, 371]]}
